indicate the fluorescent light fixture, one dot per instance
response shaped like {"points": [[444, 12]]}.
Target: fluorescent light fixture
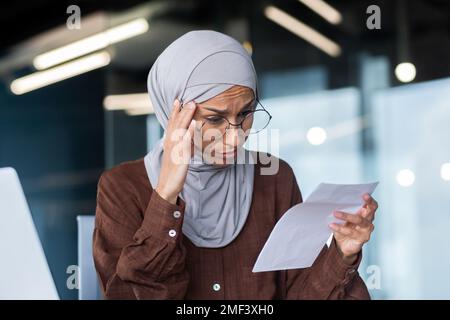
{"points": [[302, 30], [90, 44], [138, 112], [324, 10], [44, 78], [133, 104]]}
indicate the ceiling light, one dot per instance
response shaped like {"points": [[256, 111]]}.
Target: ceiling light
{"points": [[90, 44], [316, 135], [70, 69], [302, 30], [405, 72], [133, 104], [324, 10]]}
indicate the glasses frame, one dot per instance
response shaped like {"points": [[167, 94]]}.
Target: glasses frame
{"points": [[248, 115]]}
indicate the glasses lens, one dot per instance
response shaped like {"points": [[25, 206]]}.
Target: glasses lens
{"points": [[260, 119], [213, 125]]}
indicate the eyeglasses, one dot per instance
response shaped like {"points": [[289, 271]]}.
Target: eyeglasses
{"points": [[254, 120]]}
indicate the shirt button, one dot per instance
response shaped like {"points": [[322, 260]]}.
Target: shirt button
{"points": [[216, 287], [177, 214], [172, 233]]}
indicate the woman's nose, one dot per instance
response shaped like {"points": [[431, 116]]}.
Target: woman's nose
{"points": [[234, 136]]}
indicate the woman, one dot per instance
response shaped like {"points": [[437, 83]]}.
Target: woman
{"points": [[180, 224]]}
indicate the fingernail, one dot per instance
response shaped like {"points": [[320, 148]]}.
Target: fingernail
{"points": [[337, 214], [191, 105]]}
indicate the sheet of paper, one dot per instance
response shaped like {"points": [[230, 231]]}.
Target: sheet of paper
{"points": [[301, 233]]}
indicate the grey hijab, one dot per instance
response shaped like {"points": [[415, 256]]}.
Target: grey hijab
{"points": [[198, 66]]}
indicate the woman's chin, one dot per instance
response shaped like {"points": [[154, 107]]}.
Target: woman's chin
{"points": [[222, 160]]}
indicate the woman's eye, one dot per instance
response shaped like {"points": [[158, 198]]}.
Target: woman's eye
{"points": [[215, 120]]}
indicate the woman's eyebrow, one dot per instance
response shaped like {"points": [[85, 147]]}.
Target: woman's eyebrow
{"points": [[223, 112], [216, 110]]}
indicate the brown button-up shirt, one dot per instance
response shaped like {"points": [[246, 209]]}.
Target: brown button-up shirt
{"points": [[140, 251]]}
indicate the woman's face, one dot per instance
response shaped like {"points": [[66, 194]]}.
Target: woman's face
{"points": [[233, 105]]}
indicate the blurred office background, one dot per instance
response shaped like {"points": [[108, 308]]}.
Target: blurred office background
{"points": [[354, 101]]}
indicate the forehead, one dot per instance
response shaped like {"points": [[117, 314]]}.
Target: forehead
{"points": [[235, 93]]}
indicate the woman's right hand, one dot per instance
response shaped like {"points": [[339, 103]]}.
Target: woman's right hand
{"points": [[177, 151]]}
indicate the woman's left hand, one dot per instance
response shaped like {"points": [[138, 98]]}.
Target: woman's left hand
{"points": [[357, 229]]}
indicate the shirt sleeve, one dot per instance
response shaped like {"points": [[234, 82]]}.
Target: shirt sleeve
{"points": [[329, 277], [138, 255]]}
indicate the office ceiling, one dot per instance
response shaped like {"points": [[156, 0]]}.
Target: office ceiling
{"points": [[428, 22]]}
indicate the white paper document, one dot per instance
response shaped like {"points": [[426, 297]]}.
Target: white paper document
{"points": [[300, 234]]}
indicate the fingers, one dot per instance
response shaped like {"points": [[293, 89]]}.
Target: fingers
{"points": [[189, 133], [370, 202], [355, 226], [367, 213], [175, 108], [369, 207], [358, 234], [184, 116], [186, 144], [344, 230], [180, 117], [352, 218], [173, 115]]}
